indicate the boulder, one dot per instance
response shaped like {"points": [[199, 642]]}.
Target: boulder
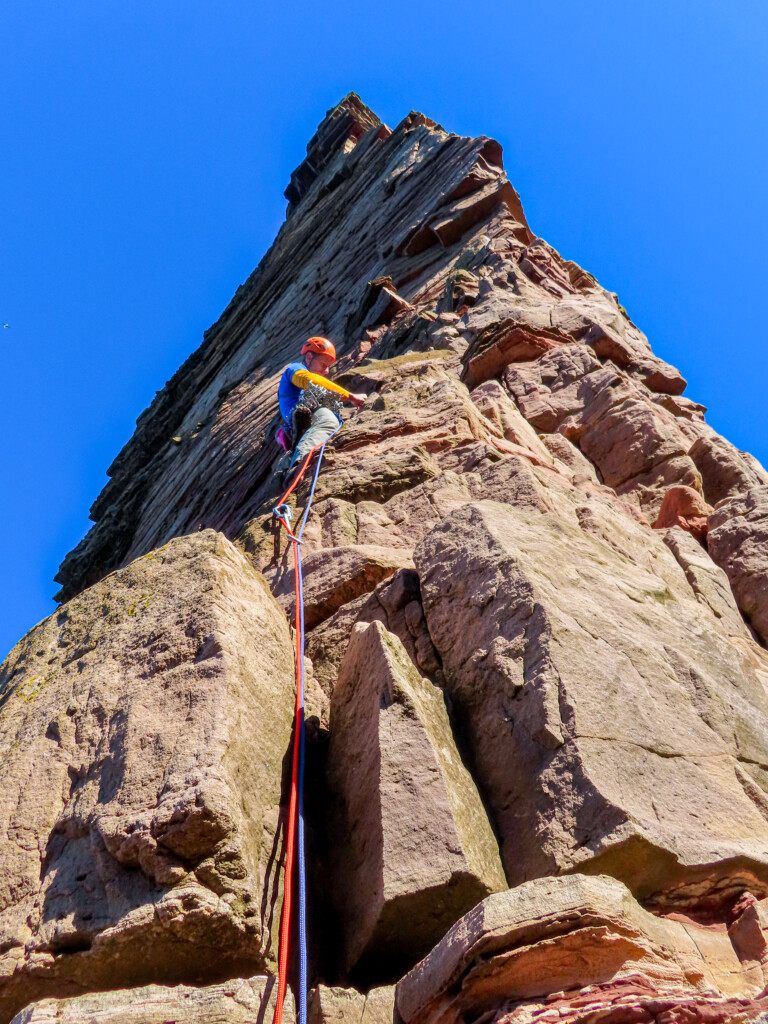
{"points": [[413, 849], [577, 672], [685, 508], [240, 1001], [577, 948], [738, 543], [725, 472], [139, 788]]}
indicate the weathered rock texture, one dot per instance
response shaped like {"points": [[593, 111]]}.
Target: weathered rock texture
{"points": [[143, 729], [413, 847], [579, 948], [525, 613], [739, 544], [348, 1006], [239, 1001], [595, 691]]}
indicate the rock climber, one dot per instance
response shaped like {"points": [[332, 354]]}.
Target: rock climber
{"points": [[309, 402]]}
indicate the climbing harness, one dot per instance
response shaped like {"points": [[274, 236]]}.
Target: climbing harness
{"points": [[313, 397], [295, 836]]}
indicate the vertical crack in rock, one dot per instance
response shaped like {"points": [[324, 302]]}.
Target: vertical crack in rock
{"points": [[537, 609]]}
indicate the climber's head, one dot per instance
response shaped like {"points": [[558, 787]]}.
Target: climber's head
{"points": [[318, 354]]}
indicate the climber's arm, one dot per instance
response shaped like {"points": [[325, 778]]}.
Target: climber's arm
{"points": [[302, 378]]}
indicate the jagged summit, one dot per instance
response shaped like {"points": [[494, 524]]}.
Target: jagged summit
{"points": [[536, 600], [343, 127]]}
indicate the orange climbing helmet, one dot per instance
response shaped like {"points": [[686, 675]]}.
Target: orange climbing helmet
{"points": [[322, 346]]}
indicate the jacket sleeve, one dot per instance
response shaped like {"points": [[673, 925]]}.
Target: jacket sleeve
{"points": [[303, 377]]}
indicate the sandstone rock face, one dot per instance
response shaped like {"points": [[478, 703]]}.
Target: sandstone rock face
{"points": [[577, 674], [685, 508], [726, 472], [708, 581], [589, 942], [413, 847], [239, 1001], [481, 575], [348, 1006], [139, 786], [738, 542]]}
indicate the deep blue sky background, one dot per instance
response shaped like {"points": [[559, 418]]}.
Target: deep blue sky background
{"points": [[145, 147]]}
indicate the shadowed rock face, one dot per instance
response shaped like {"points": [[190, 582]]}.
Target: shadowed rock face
{"points": [[506, 663], [414, 849], [140, 788]]}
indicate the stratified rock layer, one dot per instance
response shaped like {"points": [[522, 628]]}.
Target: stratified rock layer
{"points": [[586, 942], [143, 731], [523, 511]]}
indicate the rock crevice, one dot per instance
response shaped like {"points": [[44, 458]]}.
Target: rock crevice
{"points": [[536, 597]]}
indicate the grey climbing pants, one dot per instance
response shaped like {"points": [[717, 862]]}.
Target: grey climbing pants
{"points": [[323, 424]]}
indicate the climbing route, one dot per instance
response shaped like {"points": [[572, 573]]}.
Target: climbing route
{"points": [[295, 831]]}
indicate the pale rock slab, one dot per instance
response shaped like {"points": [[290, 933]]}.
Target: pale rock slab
{"points": [[613, 725], [413, 849], [240, 1001], [708, 581], [348, 1006], [139, 787], [496, 405]]}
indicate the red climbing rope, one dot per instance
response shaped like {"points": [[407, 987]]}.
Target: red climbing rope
{"points": [[283, 514], [285, 920]]}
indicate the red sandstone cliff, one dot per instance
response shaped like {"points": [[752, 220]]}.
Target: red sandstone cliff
{"points": [[537, 600]]}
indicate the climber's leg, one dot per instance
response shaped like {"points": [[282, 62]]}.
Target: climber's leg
{"points": [[323, 424]]}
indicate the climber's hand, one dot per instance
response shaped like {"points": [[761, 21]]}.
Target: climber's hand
{"points": [[357, 400]]}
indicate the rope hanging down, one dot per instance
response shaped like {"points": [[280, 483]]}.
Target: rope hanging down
{"points": [[296, 806]]}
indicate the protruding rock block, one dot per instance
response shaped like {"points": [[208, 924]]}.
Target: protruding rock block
{"points": [[335, 576], [725, 471], [348, 1006], [142, 734], [396, 603], [413, 849], [684, 507], [240, 1001], [564, 948], [738, 542], [496, 405], [608, 725]]}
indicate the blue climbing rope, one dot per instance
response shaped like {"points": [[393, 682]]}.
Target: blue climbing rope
{"points": [[284, 515]]}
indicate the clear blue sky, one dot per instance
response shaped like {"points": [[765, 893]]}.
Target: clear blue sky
{"points": [[146, 145]]}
